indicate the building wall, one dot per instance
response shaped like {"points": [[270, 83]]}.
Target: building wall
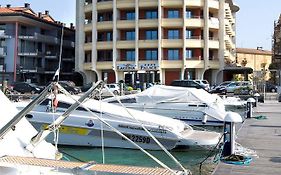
{"points": [[33, 47], [204, 27], [258, 60]]}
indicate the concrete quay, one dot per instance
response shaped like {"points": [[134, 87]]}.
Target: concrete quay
{"points": [[263, 136]]}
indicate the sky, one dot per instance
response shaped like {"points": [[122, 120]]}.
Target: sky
{"points": [[254, 20]]}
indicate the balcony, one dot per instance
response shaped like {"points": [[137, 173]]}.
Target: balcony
{"points": [[4, 35], [87, 46], [228, 42], [3, 51], [172, 3], [105, 25], [124, 44], [30, 53], [104, 45], [194, 42], [148, 43], [104, 65], [195, 3], [148, 3], [172, 22], [172, 64], [105, 5], [39, 38], [88, 8], [87, 66], [68, 43], [125, 4], [214, 23], [88, 27], [214, 64], [51, 55], [125, 24], [148, 23], [214, 4], [214, 43], [172, 43], [195, 22], [194, 63]]}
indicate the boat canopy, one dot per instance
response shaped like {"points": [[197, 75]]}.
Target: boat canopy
{"points": [[162, 93]]}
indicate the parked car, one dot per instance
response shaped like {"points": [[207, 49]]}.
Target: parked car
{"points": [[69, 87], [220, 89], [269, 87], [114, 88], [24, 87], [204, 83], [188, 83], [239, 87]]}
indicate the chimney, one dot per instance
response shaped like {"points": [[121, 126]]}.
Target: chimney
{"points": [[71, 26], [8, 5], [39, 14], [46, 12], [26, 5]]}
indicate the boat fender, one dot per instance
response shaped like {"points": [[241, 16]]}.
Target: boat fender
{"points": [[204, 119]]}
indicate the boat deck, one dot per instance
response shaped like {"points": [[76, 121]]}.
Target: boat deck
{"points": [[263, 136], [91, 166]]}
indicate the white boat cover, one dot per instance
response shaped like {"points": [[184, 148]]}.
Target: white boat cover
{"points": [[162, 93], [144, 117], [15, 141]]}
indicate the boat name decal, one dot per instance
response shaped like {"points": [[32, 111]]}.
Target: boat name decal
{"points": [[140, 128], [138, 139]]}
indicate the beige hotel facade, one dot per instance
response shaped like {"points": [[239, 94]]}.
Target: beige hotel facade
{"points": [[154, 40]]}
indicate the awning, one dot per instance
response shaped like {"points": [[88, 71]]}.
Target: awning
{"points": [[238, 70]]}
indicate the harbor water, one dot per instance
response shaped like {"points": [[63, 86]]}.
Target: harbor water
{"points": [[189, 159]]}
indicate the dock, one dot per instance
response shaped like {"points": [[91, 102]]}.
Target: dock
{"points": [[264, 137]]}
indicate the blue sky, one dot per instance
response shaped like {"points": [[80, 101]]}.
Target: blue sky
{"points": [[254, 20]]}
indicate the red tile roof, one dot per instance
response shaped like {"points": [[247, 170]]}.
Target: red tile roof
{"points": [[253, 51], [24, 10]]}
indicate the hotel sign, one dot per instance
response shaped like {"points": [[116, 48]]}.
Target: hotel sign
{"points": [[126, 67], [148, 66]]}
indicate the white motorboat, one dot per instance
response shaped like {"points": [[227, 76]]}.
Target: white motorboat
{"points": [[195, 106], [84, 129], [15, 157]]}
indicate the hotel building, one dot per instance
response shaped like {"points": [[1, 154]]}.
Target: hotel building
{"points": [[154, 40]]}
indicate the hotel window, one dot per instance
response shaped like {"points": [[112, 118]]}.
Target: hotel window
{"points": [[173, 14], [188, 14], [151, 55], [130, 16], [151, 35], [188, 53], [130, 35], [151, 14], [173, 54], [188, 34], [173, 34], [130, 55], [108, 36]]}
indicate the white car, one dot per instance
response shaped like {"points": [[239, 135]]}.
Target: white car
{"points": [[204, 83], [114, 88]]}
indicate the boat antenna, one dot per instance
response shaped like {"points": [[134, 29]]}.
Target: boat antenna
{"points": [[57, 74]]}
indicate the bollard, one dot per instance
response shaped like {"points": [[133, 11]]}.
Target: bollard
{"points": [[231, 119], [249, 108], [256, 96]]}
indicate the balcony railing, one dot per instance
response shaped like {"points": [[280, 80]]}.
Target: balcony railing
{"points": [[39, 37], [3, 51]]}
